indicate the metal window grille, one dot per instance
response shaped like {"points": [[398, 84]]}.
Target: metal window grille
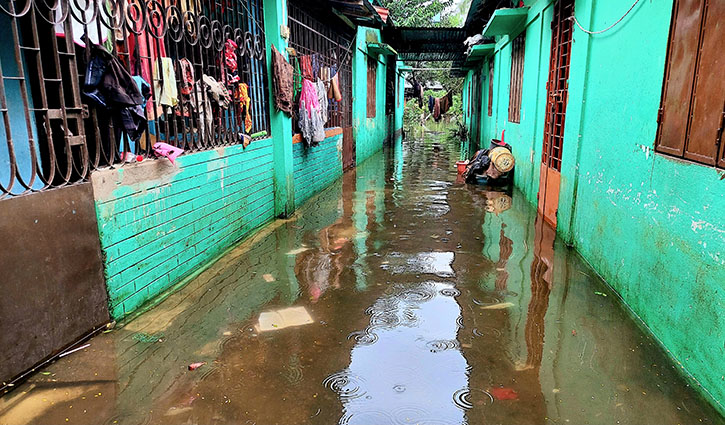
{"points": [[310, 36], [557, 86], [490, 87], [56, 134], [517, 77]]}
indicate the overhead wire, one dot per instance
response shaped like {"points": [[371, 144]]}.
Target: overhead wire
{"points": [[576, 21]]}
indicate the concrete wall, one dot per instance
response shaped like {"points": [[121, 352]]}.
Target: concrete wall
{"points": [[159, 223], [316, 167], [369, 133], [651, 225]]}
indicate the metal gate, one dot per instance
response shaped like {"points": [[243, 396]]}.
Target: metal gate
{"points": [[557, 95], [312, 34], [476, 99]]}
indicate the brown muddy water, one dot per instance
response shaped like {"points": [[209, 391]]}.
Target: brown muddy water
{"points": [[396, 296]]}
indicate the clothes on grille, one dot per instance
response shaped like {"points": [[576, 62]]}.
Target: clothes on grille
{"points": [[241, 94], [334, 89], [306, 64], [282, 74], [316, 65], [187, 76], [322, 99], [310, 119], [108, 84], [207, 91], [229, 56], [165, 91]]}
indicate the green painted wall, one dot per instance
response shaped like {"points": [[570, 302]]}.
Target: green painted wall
{"points": [[158, 223], [369, 133], [650, 225], [399, 100], [275, 15], [316, 167]]}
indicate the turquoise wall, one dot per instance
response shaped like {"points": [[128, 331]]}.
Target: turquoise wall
{"points": [[317, 167], [369, 133], [159, 223], [652, 226]]}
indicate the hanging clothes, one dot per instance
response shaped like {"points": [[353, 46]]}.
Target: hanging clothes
{"points": [[187, 76], [446, 102], [108, 84], [333, 92], [322, 99], [310, 120], [242, 95], [282, 82], [316, 65], [165, 91], [431, 104], [418, 93], [306, 64], [437, 109], [229, 56]]}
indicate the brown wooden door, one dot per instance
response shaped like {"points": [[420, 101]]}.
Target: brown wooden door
{"points": [[550, 175]]}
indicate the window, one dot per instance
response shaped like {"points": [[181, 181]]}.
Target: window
{"points": [[490, 87], [372, 71], [693, 95], [517, 77], [61, 129]]}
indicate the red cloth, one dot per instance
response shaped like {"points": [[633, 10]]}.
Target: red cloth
{"points": [[306, 64]]}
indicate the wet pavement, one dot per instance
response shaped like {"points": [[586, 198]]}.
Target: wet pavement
{"points": [[396, 296]]}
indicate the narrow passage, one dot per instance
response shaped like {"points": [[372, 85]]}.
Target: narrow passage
{"points": [[395, 296]]}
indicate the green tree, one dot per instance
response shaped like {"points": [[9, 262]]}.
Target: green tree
{"points": [[416, 13]]}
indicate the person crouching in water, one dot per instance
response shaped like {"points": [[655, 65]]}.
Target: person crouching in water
{"points": [[494, 165]]}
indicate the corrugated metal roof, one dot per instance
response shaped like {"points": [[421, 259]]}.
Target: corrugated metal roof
{"points": [[425, 43]]}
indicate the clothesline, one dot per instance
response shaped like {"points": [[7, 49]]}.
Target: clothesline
{"points": [[339, 66]]}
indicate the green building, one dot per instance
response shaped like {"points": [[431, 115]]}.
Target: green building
{"points": [[614, 112]]}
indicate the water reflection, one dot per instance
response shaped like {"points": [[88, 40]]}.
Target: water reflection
{"points": [[410, 370], [425, 301]]}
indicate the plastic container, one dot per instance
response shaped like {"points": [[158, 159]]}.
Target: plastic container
{"points": [[461, 165]]}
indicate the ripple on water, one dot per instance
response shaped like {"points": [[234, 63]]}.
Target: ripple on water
{"points": [[450, 292], [366, 417], [438, 345], [364, 337], [418, 294], [129, 418], [486, 331], [409, 414], [467, 398], [347, 385]]}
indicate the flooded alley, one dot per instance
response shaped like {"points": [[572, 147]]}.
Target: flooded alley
{"points": [[398, 295]]}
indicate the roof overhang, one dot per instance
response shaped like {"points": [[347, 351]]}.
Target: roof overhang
{"points": [[506, 22], [478, 53], [381, 49]]}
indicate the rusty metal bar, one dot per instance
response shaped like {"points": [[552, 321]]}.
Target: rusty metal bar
{"points": [[55, 134]]}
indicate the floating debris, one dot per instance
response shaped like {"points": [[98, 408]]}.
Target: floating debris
{"points": [[197, 365], [497, 306]]}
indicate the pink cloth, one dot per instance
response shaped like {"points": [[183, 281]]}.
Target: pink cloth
{"points": [[309, 96]]}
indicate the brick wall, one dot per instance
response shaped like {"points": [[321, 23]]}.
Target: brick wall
{"points": [[317, 167], [159, 223]]}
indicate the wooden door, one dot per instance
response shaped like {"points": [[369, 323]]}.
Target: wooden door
{"points": [[550, 175]]}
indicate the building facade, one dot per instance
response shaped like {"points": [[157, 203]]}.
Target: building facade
{"points": [[614, 112], [99, 226]]}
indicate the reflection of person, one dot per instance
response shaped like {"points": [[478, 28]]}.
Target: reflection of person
{"points": [[493, 164], [322, 267]]}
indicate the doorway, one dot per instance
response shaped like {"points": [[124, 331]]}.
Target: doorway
{"points": [[556, 100]]}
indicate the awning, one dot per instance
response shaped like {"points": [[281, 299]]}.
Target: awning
{"points": [[427, 44], [381, 49], [506, 21], [478, 53]]}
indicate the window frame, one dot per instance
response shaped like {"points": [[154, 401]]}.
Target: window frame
{"points": [[372, 78], [516, 83]]}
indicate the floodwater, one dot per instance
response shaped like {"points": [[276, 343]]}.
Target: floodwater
{"points": [[396, 296]]}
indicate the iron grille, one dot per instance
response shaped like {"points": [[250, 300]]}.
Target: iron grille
{"points": [[310, 36], [56, 134]]}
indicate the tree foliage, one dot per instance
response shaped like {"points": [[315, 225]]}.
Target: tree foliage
{"points": [[416, 13]]}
